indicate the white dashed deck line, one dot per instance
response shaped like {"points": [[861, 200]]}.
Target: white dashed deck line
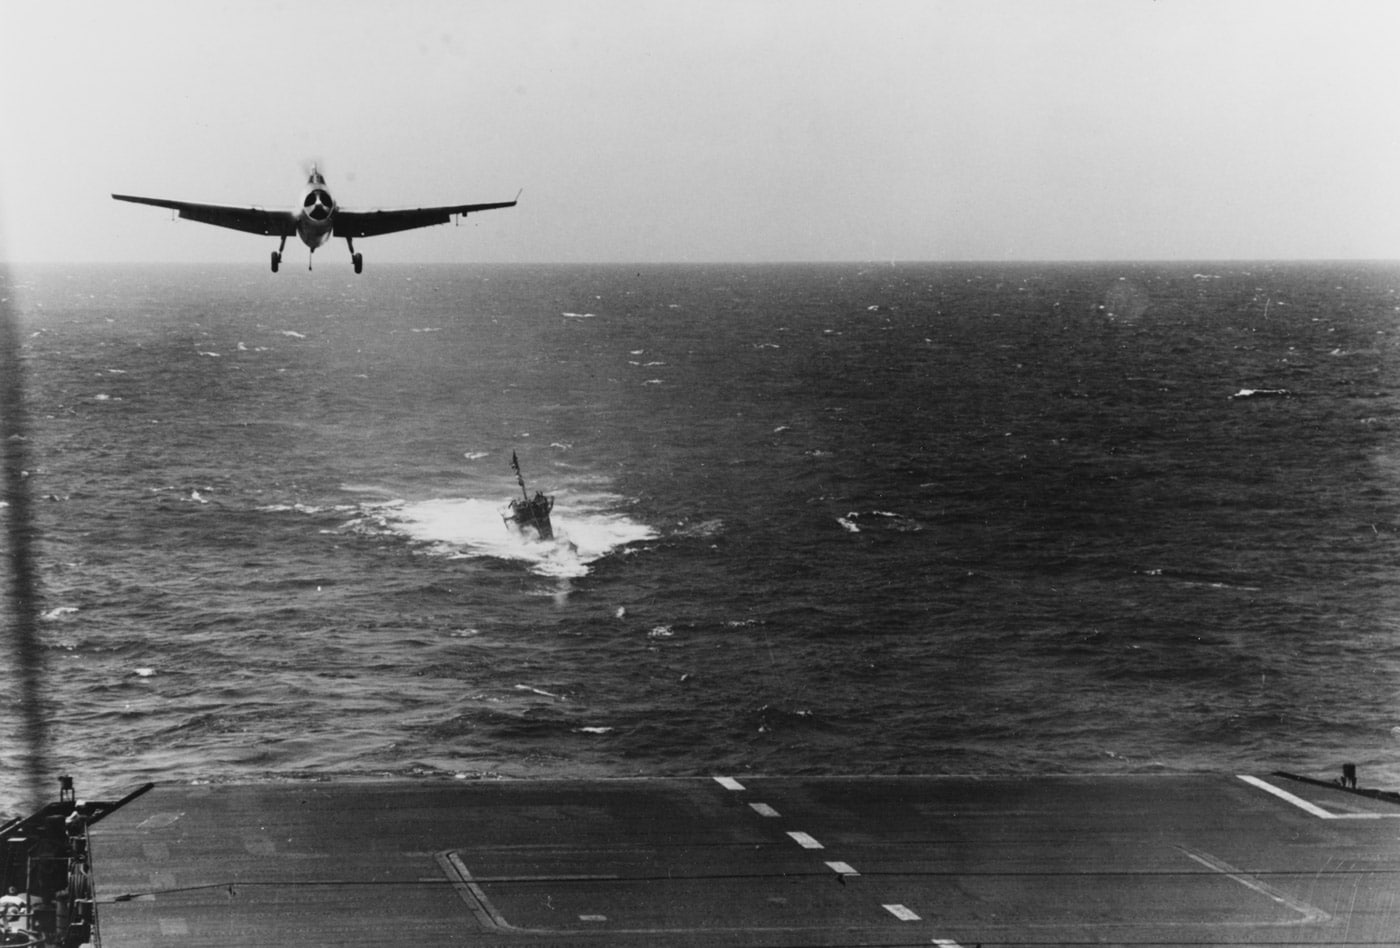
{"points": [[842, 869]]}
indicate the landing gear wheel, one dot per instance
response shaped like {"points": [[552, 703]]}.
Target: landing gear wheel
{"points": [[358, 260], [276, 259]]}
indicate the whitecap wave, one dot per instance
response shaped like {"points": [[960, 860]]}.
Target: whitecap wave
{"points": [[311, 509], [1262, 393], [882, 518]]}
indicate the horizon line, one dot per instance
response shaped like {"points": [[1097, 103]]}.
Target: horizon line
{"points": [[970, 261]]}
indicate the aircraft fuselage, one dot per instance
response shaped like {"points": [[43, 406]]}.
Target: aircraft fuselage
{"points": [[316, 219]]}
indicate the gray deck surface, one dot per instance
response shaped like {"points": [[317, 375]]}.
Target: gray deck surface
{"points": [[1176, 860]]}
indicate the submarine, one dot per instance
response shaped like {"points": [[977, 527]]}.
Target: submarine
{"points": [[527, 513]]}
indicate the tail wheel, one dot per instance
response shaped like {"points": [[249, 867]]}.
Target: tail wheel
{"points": [[358, 260], [276, 259]]}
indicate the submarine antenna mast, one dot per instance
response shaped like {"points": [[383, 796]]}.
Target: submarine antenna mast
{"points": [[519, 479]]}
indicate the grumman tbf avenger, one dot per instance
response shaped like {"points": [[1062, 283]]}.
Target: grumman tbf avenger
{"points": [[317, 219]]}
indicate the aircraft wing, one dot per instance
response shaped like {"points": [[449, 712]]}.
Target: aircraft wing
{"points": [[254, 220], [374, 223]]}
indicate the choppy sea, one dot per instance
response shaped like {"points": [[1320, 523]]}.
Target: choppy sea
{"points": [[910, 518]]}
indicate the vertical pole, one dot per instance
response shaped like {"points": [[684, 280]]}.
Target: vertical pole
{"points": [[22, 590]]}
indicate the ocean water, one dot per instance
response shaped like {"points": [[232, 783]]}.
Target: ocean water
{"points": [[913, 518]]}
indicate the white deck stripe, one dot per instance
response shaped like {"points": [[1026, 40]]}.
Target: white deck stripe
{"points": [[729, 783], [946, 943], [901, 913], [805, 841], [1310, 913], [1313, 808], [1287, 797], [843, 868], [763, 809]]}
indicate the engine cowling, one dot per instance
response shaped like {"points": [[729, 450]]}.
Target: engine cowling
{"points": [[317, 205]]}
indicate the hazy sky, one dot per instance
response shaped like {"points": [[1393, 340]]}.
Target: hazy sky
{"points": [[706, 130]]}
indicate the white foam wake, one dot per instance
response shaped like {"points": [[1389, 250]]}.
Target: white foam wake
{"points": [[584, 531]]}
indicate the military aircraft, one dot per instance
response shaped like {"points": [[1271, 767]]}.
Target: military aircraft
{"points": [[317, 220]]}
